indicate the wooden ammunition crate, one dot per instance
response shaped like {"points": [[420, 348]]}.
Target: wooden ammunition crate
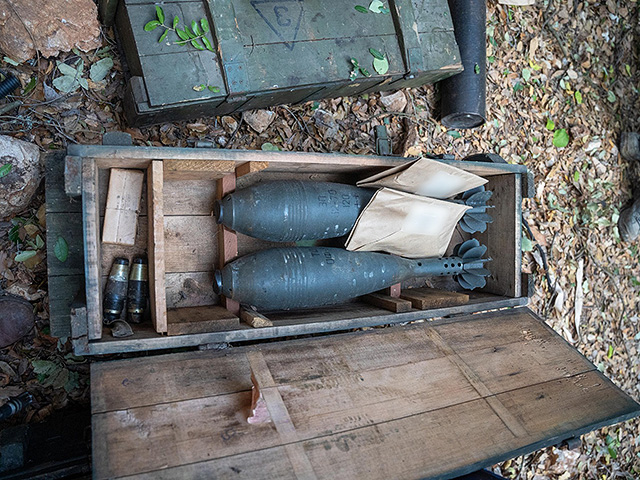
{"points": [[473, 382], [184, 244], [270, 52]]}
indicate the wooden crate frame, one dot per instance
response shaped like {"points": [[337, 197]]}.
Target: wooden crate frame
{"points": [[506, 288]]}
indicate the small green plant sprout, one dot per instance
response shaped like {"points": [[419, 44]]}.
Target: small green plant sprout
{"points": [[380, 62], [202, 87], [196, 34]]}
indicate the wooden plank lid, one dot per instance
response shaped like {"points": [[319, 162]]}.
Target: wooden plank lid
{"points": [[383, 403]]}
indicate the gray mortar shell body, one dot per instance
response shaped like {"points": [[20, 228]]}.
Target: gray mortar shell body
{"points": [[307, 277], [293, 210], [115, 291]]}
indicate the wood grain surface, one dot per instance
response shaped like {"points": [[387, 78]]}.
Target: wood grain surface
{"points": [[385, 403]]}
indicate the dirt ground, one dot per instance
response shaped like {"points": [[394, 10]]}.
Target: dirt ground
{"points": [[551, 66]]}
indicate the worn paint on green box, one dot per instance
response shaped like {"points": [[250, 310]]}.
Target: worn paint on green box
{"points": [[269, 52]]}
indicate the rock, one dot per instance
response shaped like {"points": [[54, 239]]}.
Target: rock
{"points": [[55, 25], [18, 186], [259, 120], [394, 102], [327, 124], [229, 123], [16, 319]]}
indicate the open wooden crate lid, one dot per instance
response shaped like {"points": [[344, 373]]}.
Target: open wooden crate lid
{"points": [[429, 400]]}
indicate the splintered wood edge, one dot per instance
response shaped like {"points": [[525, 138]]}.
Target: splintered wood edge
{"points": [[254, 319], [155, 205], [92, 265]]}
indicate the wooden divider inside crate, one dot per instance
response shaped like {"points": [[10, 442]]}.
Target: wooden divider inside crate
{"points": [[155, 251], [92, 260]]}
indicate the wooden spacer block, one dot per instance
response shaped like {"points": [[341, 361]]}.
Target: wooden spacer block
{"points": [[425, 298], [198, 169], [190, 320], [123, 203], [392, 304], [254, 319], [393, 290], [250, 167]]}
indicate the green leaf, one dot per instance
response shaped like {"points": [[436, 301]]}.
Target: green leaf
{"points": [[476, 69], [518, 87], [10, 61], [364, 72], [73, 381], [83, 83], [207, 43], [197, 44], [176, 21], [39, 242], [61, 249], [353, 74], [189, 32], [160, 13], [610, 351], [578, 97], [66, 83], [205, 25], [151, 26], [26, 255], [376, 54], [354, 62], [67, 69], [5, 169], [43, 367], [214, 89], [576, 176], [611, 97], [560, 138], [550, 125], [199, 88], [269, 147], [163, 36], [627, 68], [526, 245], [381, 66], [30, 86], [526, 74], [196, 28], [183, 35], [101, 68], [14, 233], [361, 9], [375, 6], [454, 134]]}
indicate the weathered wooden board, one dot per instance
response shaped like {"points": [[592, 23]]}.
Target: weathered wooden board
{"points": [[261, 45], [407, 397], [200, 319], [122, 208]]}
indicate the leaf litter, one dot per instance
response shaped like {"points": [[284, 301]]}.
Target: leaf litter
{"points": [[556, 66]]}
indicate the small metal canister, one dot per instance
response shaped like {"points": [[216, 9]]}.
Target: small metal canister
{"points": [[138, 291], [115, 292]]}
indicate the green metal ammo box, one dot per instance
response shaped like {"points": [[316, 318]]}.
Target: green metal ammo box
{"points": [[270, 52]]}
